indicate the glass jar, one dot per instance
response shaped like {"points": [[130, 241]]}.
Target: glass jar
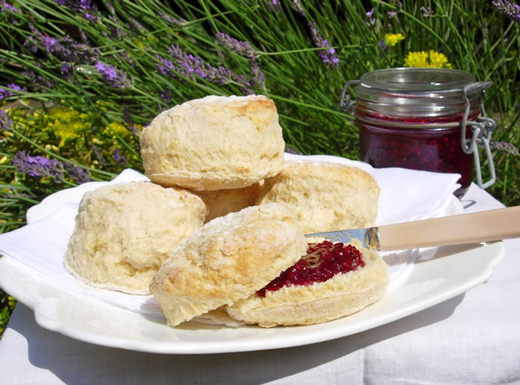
{"points": [[424, 119]]}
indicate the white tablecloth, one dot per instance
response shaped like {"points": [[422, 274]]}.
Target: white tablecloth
{"points": [[473, 338]]}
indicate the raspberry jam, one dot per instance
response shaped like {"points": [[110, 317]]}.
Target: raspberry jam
{"points": [[435, 149], [412, 118], [322, 262]]}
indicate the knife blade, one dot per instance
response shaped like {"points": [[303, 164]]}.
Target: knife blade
{"points": [[485, 226]]}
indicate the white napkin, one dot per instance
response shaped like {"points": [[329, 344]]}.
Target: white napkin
{"points": [[405, 195]]}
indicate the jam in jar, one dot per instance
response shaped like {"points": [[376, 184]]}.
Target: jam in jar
{"points": [[416, 118]]}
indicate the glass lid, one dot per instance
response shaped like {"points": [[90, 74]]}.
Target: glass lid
{"points": [[416, 80]]}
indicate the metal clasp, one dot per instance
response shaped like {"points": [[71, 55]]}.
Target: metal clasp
{"points": [[481, 137], [346, 103]]}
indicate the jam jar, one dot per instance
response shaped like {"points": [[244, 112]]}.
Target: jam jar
{"points": [[424, 119]]}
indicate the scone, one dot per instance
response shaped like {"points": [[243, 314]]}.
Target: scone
{"points": [[124, 232], [302, 296], [223, 202], [324, 196], [214, 143], [226, 260]]}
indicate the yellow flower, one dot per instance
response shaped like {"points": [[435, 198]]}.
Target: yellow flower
{"points": [[392, 39], [430, 59], [66, 123]]}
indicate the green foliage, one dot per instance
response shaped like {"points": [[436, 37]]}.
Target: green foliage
{"points": [[7, 305], [79, 79]]}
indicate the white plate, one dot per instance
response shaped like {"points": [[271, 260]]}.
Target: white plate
{"points": [[438, 275], [419, 280]]}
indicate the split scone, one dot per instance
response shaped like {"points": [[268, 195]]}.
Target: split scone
{"points": [[331, 281], [324, 196], [226, 260], [124, 232], [214, 143]]}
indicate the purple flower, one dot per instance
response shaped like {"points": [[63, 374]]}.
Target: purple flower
{"points": [[241, 47], [129, 123], [4, 93], [78, 174], [298, 7], [166, 96], [38, 166], [328, 56], [5, 6], [274, 6], [5, 122], [113, 76], [67, 70], [427, 12], [172, 20], [37, 82], [508, 148], [119, 158], [508, 8], [258, 77], [49, 43], [370, 19], [65, 49], [82, 7]]}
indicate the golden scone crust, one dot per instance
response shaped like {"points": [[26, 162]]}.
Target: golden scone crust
{"points": [[324, 196], [340, 296], [124, 232], [214, 143], [228, 259], [223, 202]]}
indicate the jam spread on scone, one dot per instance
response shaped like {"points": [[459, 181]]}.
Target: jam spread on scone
{"points": [[322, 261]]}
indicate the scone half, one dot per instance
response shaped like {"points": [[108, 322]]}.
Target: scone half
{"points": [[228, 259], [339, 296]]}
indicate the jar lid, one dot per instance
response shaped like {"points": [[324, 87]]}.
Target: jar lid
{"points": [[417, 79], [417, 91]]}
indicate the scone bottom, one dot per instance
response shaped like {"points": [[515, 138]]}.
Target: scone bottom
{"points": [[322, 262]]}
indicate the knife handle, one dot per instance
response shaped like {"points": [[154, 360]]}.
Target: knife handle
{"points": [[485, 226]]}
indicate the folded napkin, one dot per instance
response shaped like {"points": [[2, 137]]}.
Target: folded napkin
{"points": [[40, 246]]}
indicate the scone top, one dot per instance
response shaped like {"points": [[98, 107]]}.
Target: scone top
{"points": [[228, 259], [214, 143]]}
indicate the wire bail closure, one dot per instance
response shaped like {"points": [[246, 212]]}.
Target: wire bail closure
{"points": [[481, 129]]}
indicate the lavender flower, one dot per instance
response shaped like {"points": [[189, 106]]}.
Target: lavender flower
{"points": [[96, 154], [5, 6], [258, 77], [370, 19], [37, 82], [298, 7], [77, 174], [508, 148], [5, 122], [241, 47], [166, 96], [4, 93], [508, 8], [113, 76], [129, 123], [83, 7], [65, 49], [116, 32], [329, 55], [121, 159], [38, 166], [427, 12], [190, 65], [67, 70], [274, 6], [172, 20]]}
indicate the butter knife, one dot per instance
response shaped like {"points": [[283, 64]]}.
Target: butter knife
{"points": [[485, 226]]}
